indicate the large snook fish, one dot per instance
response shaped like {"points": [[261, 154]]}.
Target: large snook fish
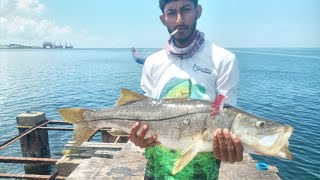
{"points": [[183, 124]]}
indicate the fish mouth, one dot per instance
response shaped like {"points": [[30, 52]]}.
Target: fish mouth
{"points": [[272, 140], [281, 146], [276, 144]]}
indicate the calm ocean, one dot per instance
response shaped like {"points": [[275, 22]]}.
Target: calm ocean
{"points": [[279, 84]]}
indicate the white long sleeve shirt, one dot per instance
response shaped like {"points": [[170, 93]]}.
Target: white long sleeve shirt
{"points": [[211, 71]]}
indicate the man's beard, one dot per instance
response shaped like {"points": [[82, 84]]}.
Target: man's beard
{"points": [[183, 40]]}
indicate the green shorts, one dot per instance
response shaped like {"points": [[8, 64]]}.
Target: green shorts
{"points": [[160, 164]]}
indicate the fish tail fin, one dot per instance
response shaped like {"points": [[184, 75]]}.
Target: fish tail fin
{"points": [[186, 156], [72, 115], [82, 131]]}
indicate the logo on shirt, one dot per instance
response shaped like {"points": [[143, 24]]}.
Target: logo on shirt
{"points": [[182, 88], [197, 68]]}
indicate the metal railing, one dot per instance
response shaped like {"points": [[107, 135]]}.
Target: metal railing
{"points": [[31, 160], [106, 137]]}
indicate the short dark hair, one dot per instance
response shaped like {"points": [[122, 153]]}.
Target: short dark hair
{"points": [[162, 3]]}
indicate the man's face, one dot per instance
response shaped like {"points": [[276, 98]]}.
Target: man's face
{"points": [[182, 15]]}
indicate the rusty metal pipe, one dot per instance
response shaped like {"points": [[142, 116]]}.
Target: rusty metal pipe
{"points": [[5, 144], [30, 176], [28, 160]]}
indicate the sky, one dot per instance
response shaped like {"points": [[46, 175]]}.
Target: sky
{"points": [[127, 23]]}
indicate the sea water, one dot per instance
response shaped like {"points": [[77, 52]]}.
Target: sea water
{"points": [[278, 84]]}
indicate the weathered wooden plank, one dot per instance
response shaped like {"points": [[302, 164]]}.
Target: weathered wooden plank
{"points": [[93, 149], [96, 145], [97, 153], [86, 150]]}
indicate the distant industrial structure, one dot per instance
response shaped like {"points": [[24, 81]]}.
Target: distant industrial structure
{"points": [[57, 46], [68, 47], [50, 45], [46, 44]]}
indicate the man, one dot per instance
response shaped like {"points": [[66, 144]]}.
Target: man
{"points": [[189, 66], [138, 57]]}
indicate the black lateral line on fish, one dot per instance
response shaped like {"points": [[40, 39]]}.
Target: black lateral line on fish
{"points": [[135, 119]]}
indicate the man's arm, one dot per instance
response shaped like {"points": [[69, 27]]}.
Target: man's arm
{"points": [[226, 146], [147, 83], [228, 80]]}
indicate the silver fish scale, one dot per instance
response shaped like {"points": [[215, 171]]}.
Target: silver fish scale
{"points": [[178, 124], [153, 110], [174, 119]]}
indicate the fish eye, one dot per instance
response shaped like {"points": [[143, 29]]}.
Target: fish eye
{"points": [[260, 123]]}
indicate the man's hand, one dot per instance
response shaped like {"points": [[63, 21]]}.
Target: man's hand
{"points": [[139, 140], [227, 147]]}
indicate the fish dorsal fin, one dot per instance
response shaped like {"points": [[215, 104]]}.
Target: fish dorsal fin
{"points": [[127, 96]]}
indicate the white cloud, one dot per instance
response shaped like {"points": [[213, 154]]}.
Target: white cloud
{"points": [[29, 7], [21, 21], [25, 8]]}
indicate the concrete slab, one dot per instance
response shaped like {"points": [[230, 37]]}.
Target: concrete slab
{"points": [[129, 163], [123, 166]]}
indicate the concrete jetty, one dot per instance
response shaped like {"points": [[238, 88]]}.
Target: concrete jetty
{"points": [[129, 163]]}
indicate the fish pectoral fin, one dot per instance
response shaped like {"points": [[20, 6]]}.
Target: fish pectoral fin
{"points": [[186, 156], [127, 96], [118, 132]]}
